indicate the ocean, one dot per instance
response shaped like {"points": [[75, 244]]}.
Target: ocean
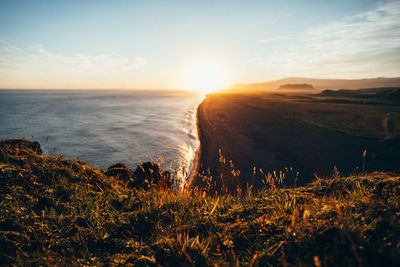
{"points": [[103, 127]]}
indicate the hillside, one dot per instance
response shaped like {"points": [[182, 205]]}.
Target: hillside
{"points": [[372, 95], [56, 211]]}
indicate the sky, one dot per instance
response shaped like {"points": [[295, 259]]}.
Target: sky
{"points": [[154, 44]]}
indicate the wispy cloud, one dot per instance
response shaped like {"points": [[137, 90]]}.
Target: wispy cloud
{"points": [[364, 44], [38, 58], [275, 39], [371, 31]]}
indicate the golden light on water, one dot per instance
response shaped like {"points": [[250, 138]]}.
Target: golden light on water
{"points": [[205, 78]]}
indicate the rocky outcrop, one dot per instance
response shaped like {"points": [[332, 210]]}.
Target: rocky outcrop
{"points": [[20, 145], [146, 175]]}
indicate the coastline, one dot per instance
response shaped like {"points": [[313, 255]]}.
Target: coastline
{"points": [[264, 131], [195, 167], [197, 155]]}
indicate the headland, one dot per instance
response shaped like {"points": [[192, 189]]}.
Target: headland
{"points": [[299, 136]]}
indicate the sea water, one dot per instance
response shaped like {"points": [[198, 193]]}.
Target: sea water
{"points": [[104, 127]]}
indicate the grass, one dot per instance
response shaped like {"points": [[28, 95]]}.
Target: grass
{"points": [[55, 211]]}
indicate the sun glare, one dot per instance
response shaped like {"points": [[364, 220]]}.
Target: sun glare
{"points": [[205, 78]]}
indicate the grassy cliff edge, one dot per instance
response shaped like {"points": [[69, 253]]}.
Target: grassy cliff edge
{"points": [[59, 211]]}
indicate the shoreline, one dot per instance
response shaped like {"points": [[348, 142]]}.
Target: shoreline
{"points": [[197, 154], [195, 168]]}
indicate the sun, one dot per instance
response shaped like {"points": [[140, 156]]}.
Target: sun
{"points": [[205, 78]]}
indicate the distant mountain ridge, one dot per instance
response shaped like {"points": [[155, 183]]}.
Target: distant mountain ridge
{"points": [[321, 84], [296, 86]]}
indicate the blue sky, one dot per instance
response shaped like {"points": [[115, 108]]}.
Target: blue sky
{"points": [[153, 44]]}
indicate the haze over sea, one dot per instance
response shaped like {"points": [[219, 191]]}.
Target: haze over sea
{"points": [[104, 127]]}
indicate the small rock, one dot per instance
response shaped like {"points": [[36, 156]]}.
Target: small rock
{"points": [[120, 171]]}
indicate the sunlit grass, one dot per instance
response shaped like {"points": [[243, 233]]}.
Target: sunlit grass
{"points": [[56, 211]]}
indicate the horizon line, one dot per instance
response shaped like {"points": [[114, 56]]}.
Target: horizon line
{"points": [[224, 88]]}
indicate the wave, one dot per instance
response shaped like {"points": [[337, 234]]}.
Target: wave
{"points": [[189, 148], [104, 127]]}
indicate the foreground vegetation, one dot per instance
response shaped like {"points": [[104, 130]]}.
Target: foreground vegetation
{"points": [[55, 211]]}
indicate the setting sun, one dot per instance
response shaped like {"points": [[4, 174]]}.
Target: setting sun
{"points": [[205, 78]]}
